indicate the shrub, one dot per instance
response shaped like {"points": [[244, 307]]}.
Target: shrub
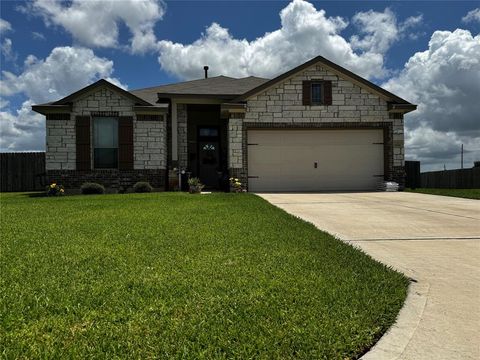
{"points": [[92, 188], [55, 190], [142, 187]]}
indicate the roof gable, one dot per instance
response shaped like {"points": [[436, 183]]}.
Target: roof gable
{"points": [[341, 71], [100, 83]]}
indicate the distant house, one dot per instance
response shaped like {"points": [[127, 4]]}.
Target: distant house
{"points": [[316, 127]]}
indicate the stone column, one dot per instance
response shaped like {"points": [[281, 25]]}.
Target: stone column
{"points": [[182, 136], [398, 170], [236, 151]]}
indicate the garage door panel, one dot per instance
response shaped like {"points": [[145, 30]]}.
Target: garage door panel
{"points": [[284, 160]]}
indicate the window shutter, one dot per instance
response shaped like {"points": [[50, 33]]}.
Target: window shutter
{"points": [[125, 142], [82, 134], [307, 93], [327, 91]]}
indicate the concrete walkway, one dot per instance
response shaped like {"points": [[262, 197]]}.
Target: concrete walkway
{"points": [[432, 239]]}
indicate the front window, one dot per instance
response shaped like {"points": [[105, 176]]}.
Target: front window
{"points": [[317, 94], [105, 142]]}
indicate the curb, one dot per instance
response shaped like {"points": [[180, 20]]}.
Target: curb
{"points": [[394, 342]]}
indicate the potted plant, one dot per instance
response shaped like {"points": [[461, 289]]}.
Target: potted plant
{"points": [[236, 186], [195, 186]]}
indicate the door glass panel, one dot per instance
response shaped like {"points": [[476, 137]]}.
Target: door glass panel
{"points": [[208, 132], [209, 155]]}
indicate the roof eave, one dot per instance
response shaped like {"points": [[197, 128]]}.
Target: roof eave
{"points": [[197, 96], [45, 109], [230, 108], [401, 108], [158, 109]]}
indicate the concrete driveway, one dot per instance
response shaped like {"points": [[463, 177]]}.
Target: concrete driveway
{"points": [[435, 240]]}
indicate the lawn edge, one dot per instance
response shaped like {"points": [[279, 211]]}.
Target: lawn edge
{"points": [[395, 340], [448, 195]]}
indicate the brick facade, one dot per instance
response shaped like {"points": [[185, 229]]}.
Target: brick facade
{"points": [[116, 180]]}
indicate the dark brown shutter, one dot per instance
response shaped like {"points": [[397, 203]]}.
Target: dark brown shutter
{"points": [[82, 132], [307, 92], [327, 91], [125, 143]]}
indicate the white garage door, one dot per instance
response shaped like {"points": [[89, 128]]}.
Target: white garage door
{"points": [[314, 160]]}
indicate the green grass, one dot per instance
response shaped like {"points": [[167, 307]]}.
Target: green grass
{"points": [[183, 276], [461, 193]]}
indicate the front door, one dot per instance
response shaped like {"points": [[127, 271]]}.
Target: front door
{"points": [[209, 156]]}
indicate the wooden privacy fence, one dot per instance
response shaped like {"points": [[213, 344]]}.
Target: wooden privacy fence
{"points": [[412, 174], [452, 179], [22, 171]]}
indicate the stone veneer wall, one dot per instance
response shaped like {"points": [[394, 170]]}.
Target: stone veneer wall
{"points": [[235, 151], [281, 106], [182, 136], [149, 144], [149, 150], [60, 144]]}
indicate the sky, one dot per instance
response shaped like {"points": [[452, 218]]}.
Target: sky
{"points": [[427, 52]]}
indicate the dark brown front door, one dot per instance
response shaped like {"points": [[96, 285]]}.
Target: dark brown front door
{"points": [[209, 156]]}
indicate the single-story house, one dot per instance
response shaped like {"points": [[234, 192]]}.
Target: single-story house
{"points": [[317, 127]]}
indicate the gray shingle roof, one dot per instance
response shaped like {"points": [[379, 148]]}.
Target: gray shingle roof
{"points": [[221, 86]]}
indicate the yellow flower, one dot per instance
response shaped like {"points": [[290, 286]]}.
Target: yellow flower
{"points": [[236, 180], [238, 183], [53, 185], [61, 190], [231, 179]]}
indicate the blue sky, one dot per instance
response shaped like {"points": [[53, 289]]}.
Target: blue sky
{"points": [[50, 49]]}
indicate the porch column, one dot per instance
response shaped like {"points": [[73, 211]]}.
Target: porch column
{"points": [[174, 134], [235, 139]]}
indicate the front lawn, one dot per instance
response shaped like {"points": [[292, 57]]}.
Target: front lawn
{"points": [[171, 275], [462, 193]]}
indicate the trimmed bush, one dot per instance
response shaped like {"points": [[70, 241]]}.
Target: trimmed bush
{"points": [[92, 188], [142, 187]]}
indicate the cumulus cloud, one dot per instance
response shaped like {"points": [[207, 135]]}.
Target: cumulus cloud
{"points": [[305, 33], [472, 16], [443, 81], [103, 19], [64, 71], [5, 26], [379, 28], [7, 51], [23, 130], [3, 103]]}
